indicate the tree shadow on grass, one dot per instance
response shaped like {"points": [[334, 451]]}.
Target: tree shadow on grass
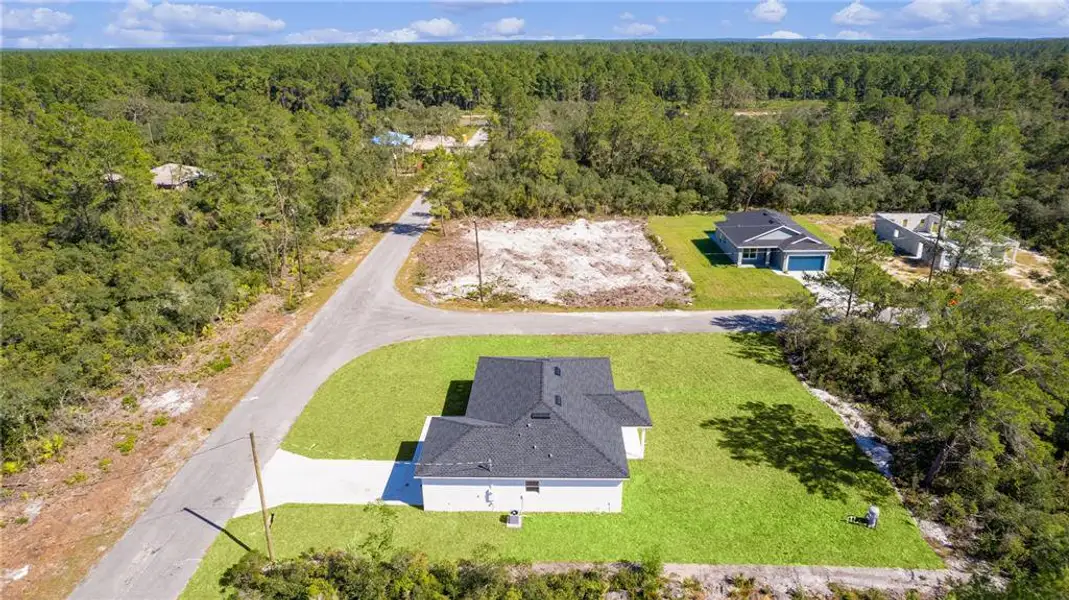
{"points": [[824, 459], [454, 405], [758, 346], [711, 251]]}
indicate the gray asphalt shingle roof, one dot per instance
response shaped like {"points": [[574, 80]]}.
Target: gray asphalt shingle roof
{"points": [[741, 227], [536, 418]]}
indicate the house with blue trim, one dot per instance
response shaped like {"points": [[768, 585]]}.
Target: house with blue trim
{"points": [[769, 238]]}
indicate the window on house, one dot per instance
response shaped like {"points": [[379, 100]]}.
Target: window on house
{"points": [[532, 486], [749, 253]]}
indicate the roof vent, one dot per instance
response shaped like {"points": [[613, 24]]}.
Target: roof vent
{"points": [[540, 415], [556, 371], [557, 400]]}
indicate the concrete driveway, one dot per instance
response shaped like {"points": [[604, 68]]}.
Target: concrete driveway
{"points": [[292, 478], [161, 551]]}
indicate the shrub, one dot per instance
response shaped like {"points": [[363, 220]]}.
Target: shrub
{"points": [[76, 478], [104, 465], [161, 421], [126, 445]]}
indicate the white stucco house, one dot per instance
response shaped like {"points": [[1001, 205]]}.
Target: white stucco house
{"points": [[538, 435], [916, 235]]}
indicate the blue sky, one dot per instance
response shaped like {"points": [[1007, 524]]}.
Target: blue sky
{"points": [[156, 23]]}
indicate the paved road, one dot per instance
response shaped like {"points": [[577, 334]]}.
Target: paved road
{"points": [[160, 552]]}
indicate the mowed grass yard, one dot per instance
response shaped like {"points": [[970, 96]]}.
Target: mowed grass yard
{"points": [[742, 465], [718, 283]]}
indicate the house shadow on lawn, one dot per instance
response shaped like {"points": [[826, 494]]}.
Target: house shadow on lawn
{"points": [[401, 485], [824, 459], [710, 250], [454, 405]]}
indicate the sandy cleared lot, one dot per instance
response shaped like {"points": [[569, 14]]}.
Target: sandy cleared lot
{"points": [[570, 263]]}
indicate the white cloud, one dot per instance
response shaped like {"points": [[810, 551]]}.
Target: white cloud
{"points": [[36, 19], [850, 34], [662, 19], [635, 29], [856, 13], [937, 12], [820, 36], [782, 34], [337, 36], [953, 14], [48, 40], [1010, 11], [439, 27], [769, 11], [626, 16], [143, 23], [507, 26]]}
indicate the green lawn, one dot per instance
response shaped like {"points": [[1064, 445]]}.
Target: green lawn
{"points": [[719, 284], [742, 465]]}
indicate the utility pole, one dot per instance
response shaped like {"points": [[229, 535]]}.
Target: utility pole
{"points": [[478, 260], [263, 503], [937, 255]]}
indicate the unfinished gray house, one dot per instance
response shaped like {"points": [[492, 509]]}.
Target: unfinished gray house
{"points": [[915, 235]]}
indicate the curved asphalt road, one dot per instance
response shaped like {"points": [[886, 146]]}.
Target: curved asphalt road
{"points": [[160, 552]]}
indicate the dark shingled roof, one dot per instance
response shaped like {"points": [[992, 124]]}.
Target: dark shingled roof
{"points": [[739, 227], [536, 418]]}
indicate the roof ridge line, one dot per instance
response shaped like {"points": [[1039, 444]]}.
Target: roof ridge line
{"points": [[595, 445]]}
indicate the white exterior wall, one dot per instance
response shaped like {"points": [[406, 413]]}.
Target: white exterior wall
{"points": [[503, 495], [635, 442]]}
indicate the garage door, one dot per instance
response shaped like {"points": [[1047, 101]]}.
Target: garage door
{"points": [[805, 263]]}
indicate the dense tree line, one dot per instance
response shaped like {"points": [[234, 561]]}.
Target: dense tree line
{"points": [[643, 155], [103, 272]]}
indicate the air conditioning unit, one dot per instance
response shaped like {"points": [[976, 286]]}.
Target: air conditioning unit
{"points": [[514, 520]]}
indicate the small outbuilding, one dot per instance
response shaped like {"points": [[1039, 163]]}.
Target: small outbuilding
{"points": [[769, 238], [173, 176], [538, 435]]}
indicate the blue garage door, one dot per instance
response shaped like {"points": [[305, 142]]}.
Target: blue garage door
{"points": [[805, 263]]}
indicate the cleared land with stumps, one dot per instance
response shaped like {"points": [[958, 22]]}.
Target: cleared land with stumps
{"points": [[743, 466]]}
